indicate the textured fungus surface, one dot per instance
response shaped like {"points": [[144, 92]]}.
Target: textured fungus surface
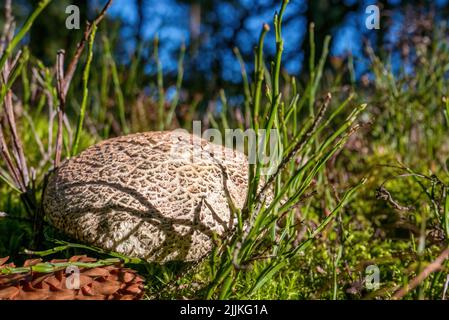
{"points": [[159, 196]]}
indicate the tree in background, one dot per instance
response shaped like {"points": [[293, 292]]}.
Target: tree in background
{"points": [[214, 28]]}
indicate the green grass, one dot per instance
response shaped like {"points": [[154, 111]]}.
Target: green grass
{"points": [[363, 178]]}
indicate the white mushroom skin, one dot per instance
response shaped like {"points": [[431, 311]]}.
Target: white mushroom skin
{"points": [[159, 196]]}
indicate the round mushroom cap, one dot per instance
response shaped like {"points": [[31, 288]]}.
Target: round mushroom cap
{"points": [[159, 196]]}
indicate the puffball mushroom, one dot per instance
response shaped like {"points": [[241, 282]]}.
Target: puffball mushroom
{"points": [[158, 196]]}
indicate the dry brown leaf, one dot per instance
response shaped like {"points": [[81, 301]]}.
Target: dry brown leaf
{"points": [[3, 261], [101, 283], [134, 288], [58, 260], [107, 287], [31, 262], [125, 297], [97, 297], [84, 280], [82, 258], [128, 277], [54, 283], [96, 272], [38, 280], [9, 293], [13, 279], [62, 295], [76, 258], [87, 291], [34, 294]]}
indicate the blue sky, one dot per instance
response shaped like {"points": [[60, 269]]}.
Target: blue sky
{"points": [[170, 21]]}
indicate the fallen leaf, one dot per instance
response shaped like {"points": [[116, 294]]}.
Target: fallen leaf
{"points": [[9, 293], [3, 260]]}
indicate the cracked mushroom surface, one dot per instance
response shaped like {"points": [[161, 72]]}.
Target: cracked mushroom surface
{"points": [[159, 196]]}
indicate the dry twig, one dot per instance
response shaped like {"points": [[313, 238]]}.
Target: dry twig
{"points": [[432, 267], [64, 78]]}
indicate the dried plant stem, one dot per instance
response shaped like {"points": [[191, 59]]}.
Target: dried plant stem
{"points": [[64, 78], [61, 97], [432, 267], [17, 143], [79, 50], [8, 26], [13, 171]]}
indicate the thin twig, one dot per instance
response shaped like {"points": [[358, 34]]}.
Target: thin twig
{"points": [[17, 143], [65, 78], [432, 267], [14, 172], [7, 27], [384, 194], [80, 47], [61, 108]]}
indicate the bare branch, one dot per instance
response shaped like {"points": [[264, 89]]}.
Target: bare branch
{"points": [[61, 108], [16, 141], [65, 78], [80, 47], [8, 26], [14, 172], [432, 267]]}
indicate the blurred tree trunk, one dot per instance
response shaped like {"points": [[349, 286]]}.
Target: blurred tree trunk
{"points": [[195, 27], [140, 20], [326, 15]]}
